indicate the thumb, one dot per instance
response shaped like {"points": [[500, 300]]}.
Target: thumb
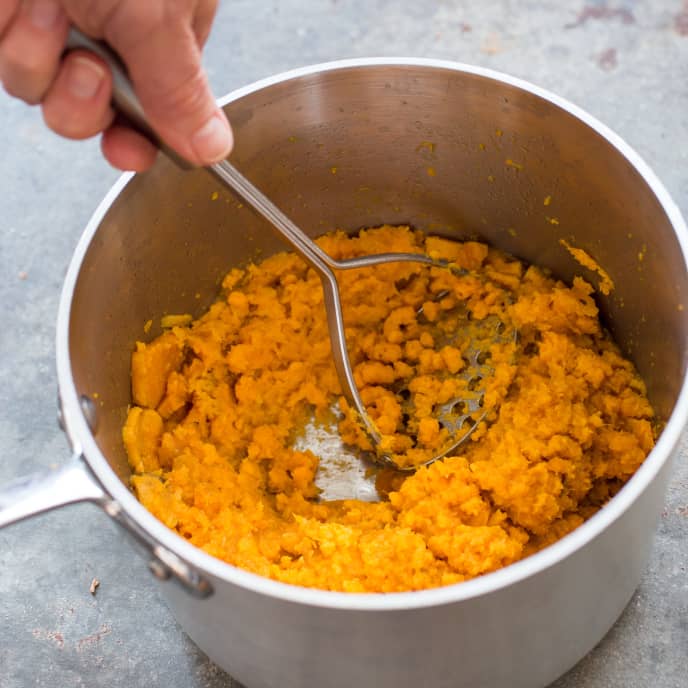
{"points": [[168, 77]]}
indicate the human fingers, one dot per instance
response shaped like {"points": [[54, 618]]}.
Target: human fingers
{"points": [[31, 46], [77, 104], [8, 9], [126, 149], [156, 41], [203, 20]]}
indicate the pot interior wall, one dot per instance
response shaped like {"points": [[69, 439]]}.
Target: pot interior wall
{"points": [[449, 152]]}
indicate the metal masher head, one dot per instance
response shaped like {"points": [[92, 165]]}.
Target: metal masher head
{"points": [[459, 415]]}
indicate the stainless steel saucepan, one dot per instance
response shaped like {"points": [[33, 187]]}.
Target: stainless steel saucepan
{"points": [[452, 149]]}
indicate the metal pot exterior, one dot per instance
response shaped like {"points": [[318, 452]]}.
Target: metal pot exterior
{"points": [[457, 151], [522, 635]]}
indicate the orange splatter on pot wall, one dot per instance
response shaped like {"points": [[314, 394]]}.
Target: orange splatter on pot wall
{"points": [[606, 284]]}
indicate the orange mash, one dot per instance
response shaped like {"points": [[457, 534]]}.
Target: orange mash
{"points": [[219, 401]]}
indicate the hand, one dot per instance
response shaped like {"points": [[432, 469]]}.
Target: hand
{"points": [[160, 42]]}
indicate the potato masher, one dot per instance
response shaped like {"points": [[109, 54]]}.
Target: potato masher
{"points": [[459, 416]]}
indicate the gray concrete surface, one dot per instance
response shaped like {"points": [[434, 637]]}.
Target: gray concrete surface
{"points": [[626, 61]]}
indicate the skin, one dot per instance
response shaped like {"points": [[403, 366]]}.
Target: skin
{"points": [[159, 41]]}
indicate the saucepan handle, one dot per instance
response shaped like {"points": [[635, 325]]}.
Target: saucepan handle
{"points": [[73, 483], [39, 492]]}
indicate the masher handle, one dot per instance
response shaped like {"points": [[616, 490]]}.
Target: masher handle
{"points": [[127, 103]]}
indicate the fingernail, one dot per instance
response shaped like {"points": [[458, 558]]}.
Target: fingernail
{"points": [[84, 77], [213, 141], [45, 14]]}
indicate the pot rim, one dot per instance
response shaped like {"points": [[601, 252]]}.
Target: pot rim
{"points": [[84, 442]]}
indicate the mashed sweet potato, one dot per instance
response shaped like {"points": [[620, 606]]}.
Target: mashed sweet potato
{"points": [[218, 403]]}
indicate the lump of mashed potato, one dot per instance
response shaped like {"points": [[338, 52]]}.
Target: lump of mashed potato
{"points": [[218, 403]]}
